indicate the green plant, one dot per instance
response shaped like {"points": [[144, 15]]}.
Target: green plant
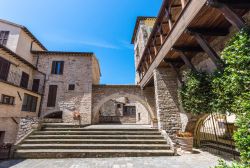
{"points": [[196, 93], [223, 164], [233, 83]]}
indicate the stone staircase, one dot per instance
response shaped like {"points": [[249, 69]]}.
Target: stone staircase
{"points": [[60, 140]]}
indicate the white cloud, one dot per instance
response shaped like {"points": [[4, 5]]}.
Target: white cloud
{"points": [[100, 44]]}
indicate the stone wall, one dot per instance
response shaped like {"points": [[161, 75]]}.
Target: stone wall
{"points": [[103, 93], [77, 71], [166, 97], [26, 124]]}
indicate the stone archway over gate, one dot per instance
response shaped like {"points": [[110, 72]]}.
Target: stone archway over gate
{"points": [[103, 93]]}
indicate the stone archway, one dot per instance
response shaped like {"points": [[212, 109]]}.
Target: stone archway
{"points": [[103, 93]]}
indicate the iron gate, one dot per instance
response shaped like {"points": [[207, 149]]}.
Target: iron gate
{"points": [[214, 134]]}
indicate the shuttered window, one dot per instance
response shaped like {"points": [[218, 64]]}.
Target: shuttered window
{"points": [[4, 37], [52, 96], [35, 86], [24, 80], [29, 103], [4, 69], [57, 67]]}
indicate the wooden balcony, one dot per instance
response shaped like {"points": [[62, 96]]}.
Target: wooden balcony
{"points": [[186, 27]]}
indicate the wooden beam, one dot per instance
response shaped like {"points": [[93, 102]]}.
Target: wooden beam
{"points": [[169, 17], [239, 4], [228, 13], [173, 66], [208, 49], [159, 29], [150, 55], [209, 32], [187, 49], [155, 49], [183, 3], [187, 61]]}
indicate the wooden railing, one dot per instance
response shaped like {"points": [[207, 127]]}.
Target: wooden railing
{"points": [[169, 13]]}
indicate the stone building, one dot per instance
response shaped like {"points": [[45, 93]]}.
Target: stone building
{"points": [[184, 36], [125, 111], [142, 31], [36, 82]]}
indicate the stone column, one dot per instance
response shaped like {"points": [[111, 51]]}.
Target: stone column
{"points": [[166, 96]]}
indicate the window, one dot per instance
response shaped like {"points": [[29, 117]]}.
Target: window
{"points": [[52, 96], [35, 86], [29, 103], [24, 80], [4, 69], [118, 105], [71, 87], [57, 67], [4, 37], [7, 99], [129, 111], [2, 133]]}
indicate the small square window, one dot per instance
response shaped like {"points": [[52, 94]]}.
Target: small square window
{"points": [[71, 87], [8, 99], [57, 67]]}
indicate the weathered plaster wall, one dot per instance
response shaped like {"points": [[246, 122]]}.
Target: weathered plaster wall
{"points": [[10, 128]]}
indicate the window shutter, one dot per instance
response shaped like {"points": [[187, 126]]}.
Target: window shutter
{"points": [[52, 96], [24, 80], [62, 67], [4, 69], [53, 69], [35, 86]]}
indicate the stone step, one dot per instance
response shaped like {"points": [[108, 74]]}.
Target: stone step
{"points": [[95, 137], [52, 120], [93, 129], [96, 133], [58, 125], [95, 141], [86, 153], [95, 146]]}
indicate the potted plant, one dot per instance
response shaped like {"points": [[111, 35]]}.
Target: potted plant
{"points": [[185, 140]]}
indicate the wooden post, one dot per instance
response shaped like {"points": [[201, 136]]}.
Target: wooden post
{"points": [[168, 16], [208, 49], [150, 55], [183, 3], [155, 49], [228, 13], [187, 61], [160, 32]]}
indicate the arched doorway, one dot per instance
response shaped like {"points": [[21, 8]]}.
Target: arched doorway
{"points": [[122, 110], [133, 102]]}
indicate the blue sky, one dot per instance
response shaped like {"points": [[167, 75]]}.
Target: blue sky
{"points": [[104, 27]]}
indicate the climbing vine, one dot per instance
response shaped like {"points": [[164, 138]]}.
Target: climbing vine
{"points": [[226, 91], [196, 93]]}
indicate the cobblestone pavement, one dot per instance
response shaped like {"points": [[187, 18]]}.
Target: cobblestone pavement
{"points": [[199, 160]]}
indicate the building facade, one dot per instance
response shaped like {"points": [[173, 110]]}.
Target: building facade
{"points": [[36, 82], [125, 111], [142, 31]]}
